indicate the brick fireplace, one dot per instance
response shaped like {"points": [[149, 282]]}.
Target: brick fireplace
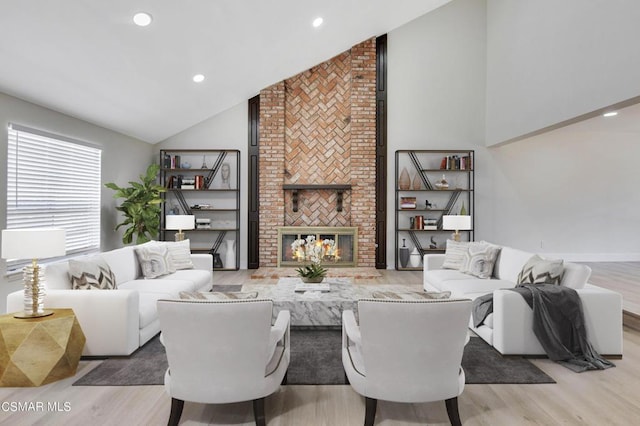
{"points": [[318, 130]]}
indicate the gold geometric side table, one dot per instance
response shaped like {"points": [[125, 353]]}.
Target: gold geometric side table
{"points": [[37, 351]]}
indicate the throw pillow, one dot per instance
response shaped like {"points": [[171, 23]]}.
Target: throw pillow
{"points": [[154, 260], [91, 273], [454, 254], [479, 259], [411, 295], [180, 254], [541, 271], [219, 295]]}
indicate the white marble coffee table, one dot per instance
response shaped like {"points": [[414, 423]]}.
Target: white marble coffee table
{"points": [[316, 308]]}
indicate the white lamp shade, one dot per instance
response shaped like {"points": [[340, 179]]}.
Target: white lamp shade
{"points": [[35, 243], [180, 221], [456, 222]]}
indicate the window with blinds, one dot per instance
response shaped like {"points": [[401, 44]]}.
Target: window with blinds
{"points": [[53, 182]]}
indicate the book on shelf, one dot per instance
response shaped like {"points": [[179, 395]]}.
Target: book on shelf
{"points": [[431, 227], [184, 186], [408, 202], [455, 162]]}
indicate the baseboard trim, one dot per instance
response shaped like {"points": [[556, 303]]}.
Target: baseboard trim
{"points": [[631, 320]]}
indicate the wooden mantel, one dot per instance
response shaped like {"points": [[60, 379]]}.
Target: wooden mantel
{"points": [[339, 188]]}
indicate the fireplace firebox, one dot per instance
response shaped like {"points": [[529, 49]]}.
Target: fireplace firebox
{"points": [[345, 238]]}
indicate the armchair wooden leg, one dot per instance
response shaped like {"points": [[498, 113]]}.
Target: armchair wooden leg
{"points": [[258, 411], [176, 411], [452, 411], [370, 411]]}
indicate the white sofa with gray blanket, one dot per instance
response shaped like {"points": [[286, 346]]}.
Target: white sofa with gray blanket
{"points": [[509, 328], [118, 321]]}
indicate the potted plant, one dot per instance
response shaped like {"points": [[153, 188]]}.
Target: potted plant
{"points": [[141, 206], [313, 251]]}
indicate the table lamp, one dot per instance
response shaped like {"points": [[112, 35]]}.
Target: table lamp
{"points": [[456, 223], [34, 244], [180, 222]]}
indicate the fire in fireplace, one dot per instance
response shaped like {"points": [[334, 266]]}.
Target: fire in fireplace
{"points": [[343, 251]]}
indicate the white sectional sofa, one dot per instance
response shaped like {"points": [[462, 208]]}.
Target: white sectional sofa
{"points": [[509, 329], [118, 321]]}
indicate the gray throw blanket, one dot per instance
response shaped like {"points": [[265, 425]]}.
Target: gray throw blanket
{"points": [[558, 323]]}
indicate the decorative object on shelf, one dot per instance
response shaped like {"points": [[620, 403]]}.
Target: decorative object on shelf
{"points": [[431, 224], [417, 182], [141, 206], [217, 261], [404, 181], [433, 245], [456, 223], [403, 254], [415, 258], [204, 162], [230, 255], [442, 183], [225, 177], [185, 165], [180, 222], [315, 252], [463, 210], [427, 205], [34, 244]]}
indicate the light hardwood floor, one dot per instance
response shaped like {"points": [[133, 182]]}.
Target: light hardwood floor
{"points": [[607, 397]]}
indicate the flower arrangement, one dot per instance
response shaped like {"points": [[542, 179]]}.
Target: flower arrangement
{"points": [[315, 252]]}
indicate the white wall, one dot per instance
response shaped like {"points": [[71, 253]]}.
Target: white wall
{"points": [[227, 130], [436, 80], [123, 159], [571, 192], [549, 61]]}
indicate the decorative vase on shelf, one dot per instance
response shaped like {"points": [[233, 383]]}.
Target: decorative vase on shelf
{"points": [[404, 181], [414, 259], [403, 254], [417, 182], [463, 210], [230, 255]]}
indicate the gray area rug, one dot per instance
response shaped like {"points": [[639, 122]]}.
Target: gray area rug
{"points": [[315, 359]]}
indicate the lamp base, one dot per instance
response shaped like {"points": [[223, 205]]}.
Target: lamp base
{"points": [[24, 315], [456, 236], [179, 236]]}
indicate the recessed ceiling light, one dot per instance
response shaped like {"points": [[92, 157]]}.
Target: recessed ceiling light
{"points": [[610, 114], [198, 78], [142, 19], [317, 22]]}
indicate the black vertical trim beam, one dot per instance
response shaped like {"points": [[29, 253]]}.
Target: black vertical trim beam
{"points": [[381, 152], [253, 223]]}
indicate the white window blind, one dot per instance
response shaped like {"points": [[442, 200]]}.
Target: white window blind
{"points": [[53, 182]]}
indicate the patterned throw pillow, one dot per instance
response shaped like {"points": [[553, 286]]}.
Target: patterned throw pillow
{"points": [[91, 273], [454, 254], [479, 259], [541, 271], [154, 260], [180, 254]]}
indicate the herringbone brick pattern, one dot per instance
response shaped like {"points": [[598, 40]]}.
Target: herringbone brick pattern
{"points": [[318, 117], [318, 208], [319, 128]]}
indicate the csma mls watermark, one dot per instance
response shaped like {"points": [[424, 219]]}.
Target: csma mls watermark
{"points": [[35, 406]]}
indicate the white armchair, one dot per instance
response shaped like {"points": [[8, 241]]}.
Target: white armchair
{"points": [[223, 351], [406, 351]]}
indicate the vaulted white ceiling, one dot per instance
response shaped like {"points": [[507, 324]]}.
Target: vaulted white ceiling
{"points": [[87, 59]]}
